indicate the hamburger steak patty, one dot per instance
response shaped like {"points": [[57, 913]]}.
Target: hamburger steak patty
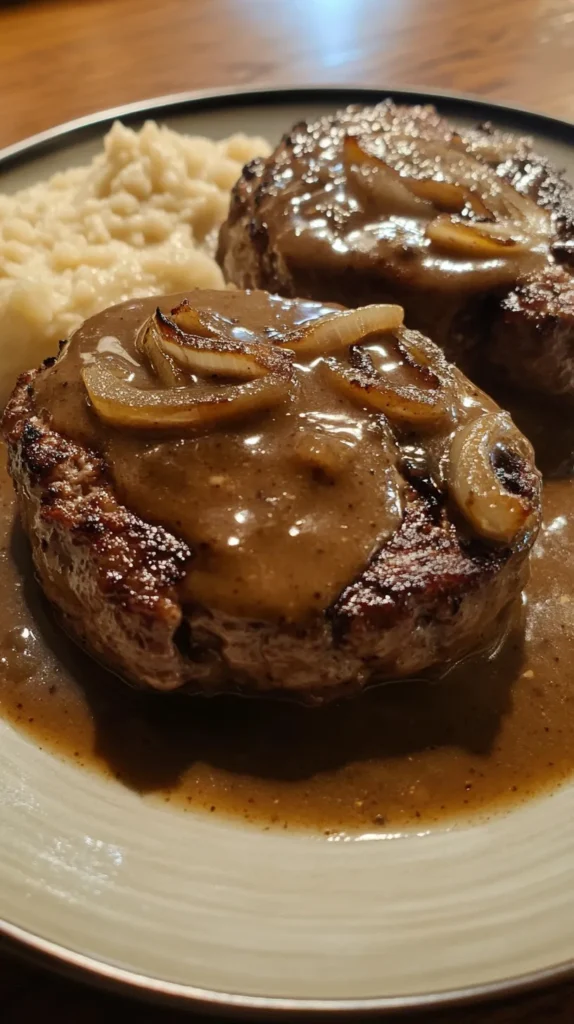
{"points": [[393, 204], [325, 535]]}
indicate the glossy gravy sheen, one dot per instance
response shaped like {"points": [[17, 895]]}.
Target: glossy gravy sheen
{"points": [[341, 208], [282, 510], [494, 732]]}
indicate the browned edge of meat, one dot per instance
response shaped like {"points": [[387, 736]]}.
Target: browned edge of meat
{"points": [[113, 577], [533, 336]]}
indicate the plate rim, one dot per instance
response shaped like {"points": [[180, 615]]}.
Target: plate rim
{"points": [[122, 981], [81, 966], [89, 126], [193, 998]]}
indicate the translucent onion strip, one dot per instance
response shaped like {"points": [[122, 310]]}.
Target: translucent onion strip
{"points": [[149, 343], [119, 404], [219, 356], [491, 509], [420, 397], [447, 178], [405, 406], [381, 182], [341, 330], [485, 241]]}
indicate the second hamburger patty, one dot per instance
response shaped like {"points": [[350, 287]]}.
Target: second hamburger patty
{"points": [[392, 204]]}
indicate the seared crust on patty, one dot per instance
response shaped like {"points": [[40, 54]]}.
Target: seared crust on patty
{"points": [[428, 596], [113, 576], [425, 585], [533, 335]]}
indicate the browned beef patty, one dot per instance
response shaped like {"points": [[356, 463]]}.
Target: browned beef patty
{"points": [[309, 502], [393, 204]]}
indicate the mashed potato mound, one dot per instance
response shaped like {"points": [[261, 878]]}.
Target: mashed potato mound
{"points": [[140, 219]]}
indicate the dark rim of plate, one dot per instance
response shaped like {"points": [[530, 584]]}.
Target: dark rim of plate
{"points": [[448, 103], [77, 965]]}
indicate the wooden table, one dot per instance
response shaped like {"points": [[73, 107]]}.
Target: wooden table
{"points": [[61, 59]]}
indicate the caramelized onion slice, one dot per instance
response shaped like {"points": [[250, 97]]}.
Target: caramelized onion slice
{"points": [[405, 406], [432, 164], [381, 182], [195, 321], [149, 343], [420, 399], [406, 193], [483, 241], [119, 404], [220, 356], [484, 454], [341, 330], [448, 178], [448, 196], [527, 212]]}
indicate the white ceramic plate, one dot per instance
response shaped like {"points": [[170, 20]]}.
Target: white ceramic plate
{"points": [[210, 911]]}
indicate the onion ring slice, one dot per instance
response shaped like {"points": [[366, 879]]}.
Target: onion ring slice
{"points": [[491, 508], [149, 343], [484, 241], [381, 182], [422, 403], [341, 330], [213, 355], [446, 178], [119, 404]]}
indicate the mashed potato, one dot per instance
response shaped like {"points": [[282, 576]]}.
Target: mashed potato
{"points": [[140, 219]]}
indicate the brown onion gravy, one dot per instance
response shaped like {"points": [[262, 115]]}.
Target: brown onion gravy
{"points": [[327, 209], [268, 537], [494, 732], [281, 510]]}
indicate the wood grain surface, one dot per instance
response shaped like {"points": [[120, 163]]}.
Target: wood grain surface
{"points": [[60, 60]]}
